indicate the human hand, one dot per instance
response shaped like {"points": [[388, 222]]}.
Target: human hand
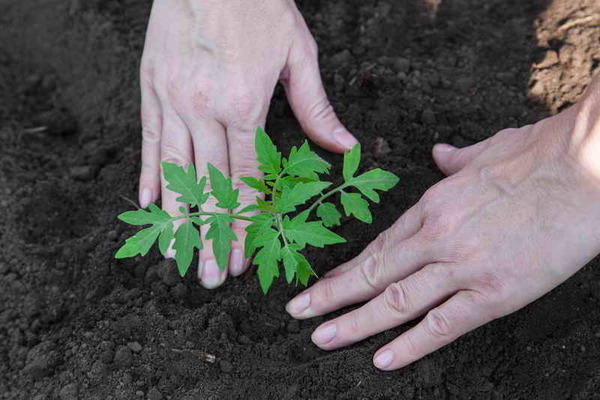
{"points": [[518, 215], [208, 72]]}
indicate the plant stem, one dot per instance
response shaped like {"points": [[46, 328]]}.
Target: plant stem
{"points": [[197, 214], [326, 195]]}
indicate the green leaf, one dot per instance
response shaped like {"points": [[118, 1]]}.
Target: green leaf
{"points": [[351, 162], [187, 238], [221, 234], [140, 243], [375, 179], [355, 204], [328, 214], [268, 258], [184, 183], [247, 209], [255, 184], [261, 223], [156, 216], [305, 163], [303, 270], [299, 194], [165, 238], [290, 262], [267, 155], [313, 233], [222, 189]]}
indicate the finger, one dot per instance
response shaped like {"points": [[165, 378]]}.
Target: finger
{"points": [[450, 159], [243, 163], [383, 262], [460, 314], [210, 146], [307, 97], [149, 186], [176, 148], [400, 302], [406, 226]]}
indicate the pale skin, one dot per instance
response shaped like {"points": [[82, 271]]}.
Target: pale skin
{"points": [[517, 215]]}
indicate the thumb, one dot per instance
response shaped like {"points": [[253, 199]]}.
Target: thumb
{"points": [[306, 95], [450, 159]]}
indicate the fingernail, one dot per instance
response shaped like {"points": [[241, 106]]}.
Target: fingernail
{"points": [[236, 263], [444, 148], [324, 334], [145, 197], [211, 274], [344, 138], [298, 304], [384, 359]]}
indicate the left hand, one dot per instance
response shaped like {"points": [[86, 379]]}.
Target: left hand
{"points": [[518, 215]]}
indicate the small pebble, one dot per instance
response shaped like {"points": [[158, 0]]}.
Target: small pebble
{"points": [[135, 347], [123, 356], [382, 147], [82, 173], [154, 394], [68, 392], [401, 64]]}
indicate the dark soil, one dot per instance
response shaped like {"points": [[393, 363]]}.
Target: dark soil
{"points": [[75, 323]]}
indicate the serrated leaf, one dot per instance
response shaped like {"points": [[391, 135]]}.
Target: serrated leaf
{"points": [[261, 223], [187, 238], [264, 205], [221, 234], [247, 209], [376, 179], [222, 189], [267, 155], [255, 184], [165, 238], [328, 214], [354, 204], [155, 216], [290, 262], [303, 270], [185, 183], [313, 233], [305, 163], [351, 162], [298, 195], [140, 243], [268, 258]]}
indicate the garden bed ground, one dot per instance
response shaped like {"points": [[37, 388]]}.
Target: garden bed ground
{"points": [[398, 77]]}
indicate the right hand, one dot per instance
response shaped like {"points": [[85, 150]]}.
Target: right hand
{"points": [[208, 72]]}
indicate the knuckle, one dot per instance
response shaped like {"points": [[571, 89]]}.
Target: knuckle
{"points": [[326, 291], [491, 287], [150, 134], [396, 299], [438, 226], [438, 325], [320, 110], [411, 348], [371, 272], [246, 110], [174, 155], [355, 327]]}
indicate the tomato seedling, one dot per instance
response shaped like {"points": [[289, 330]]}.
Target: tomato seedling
{"points": [[281, 224]]}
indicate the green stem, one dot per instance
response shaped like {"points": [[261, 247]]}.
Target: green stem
{"points": [[198, 214], [326, 195]]}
